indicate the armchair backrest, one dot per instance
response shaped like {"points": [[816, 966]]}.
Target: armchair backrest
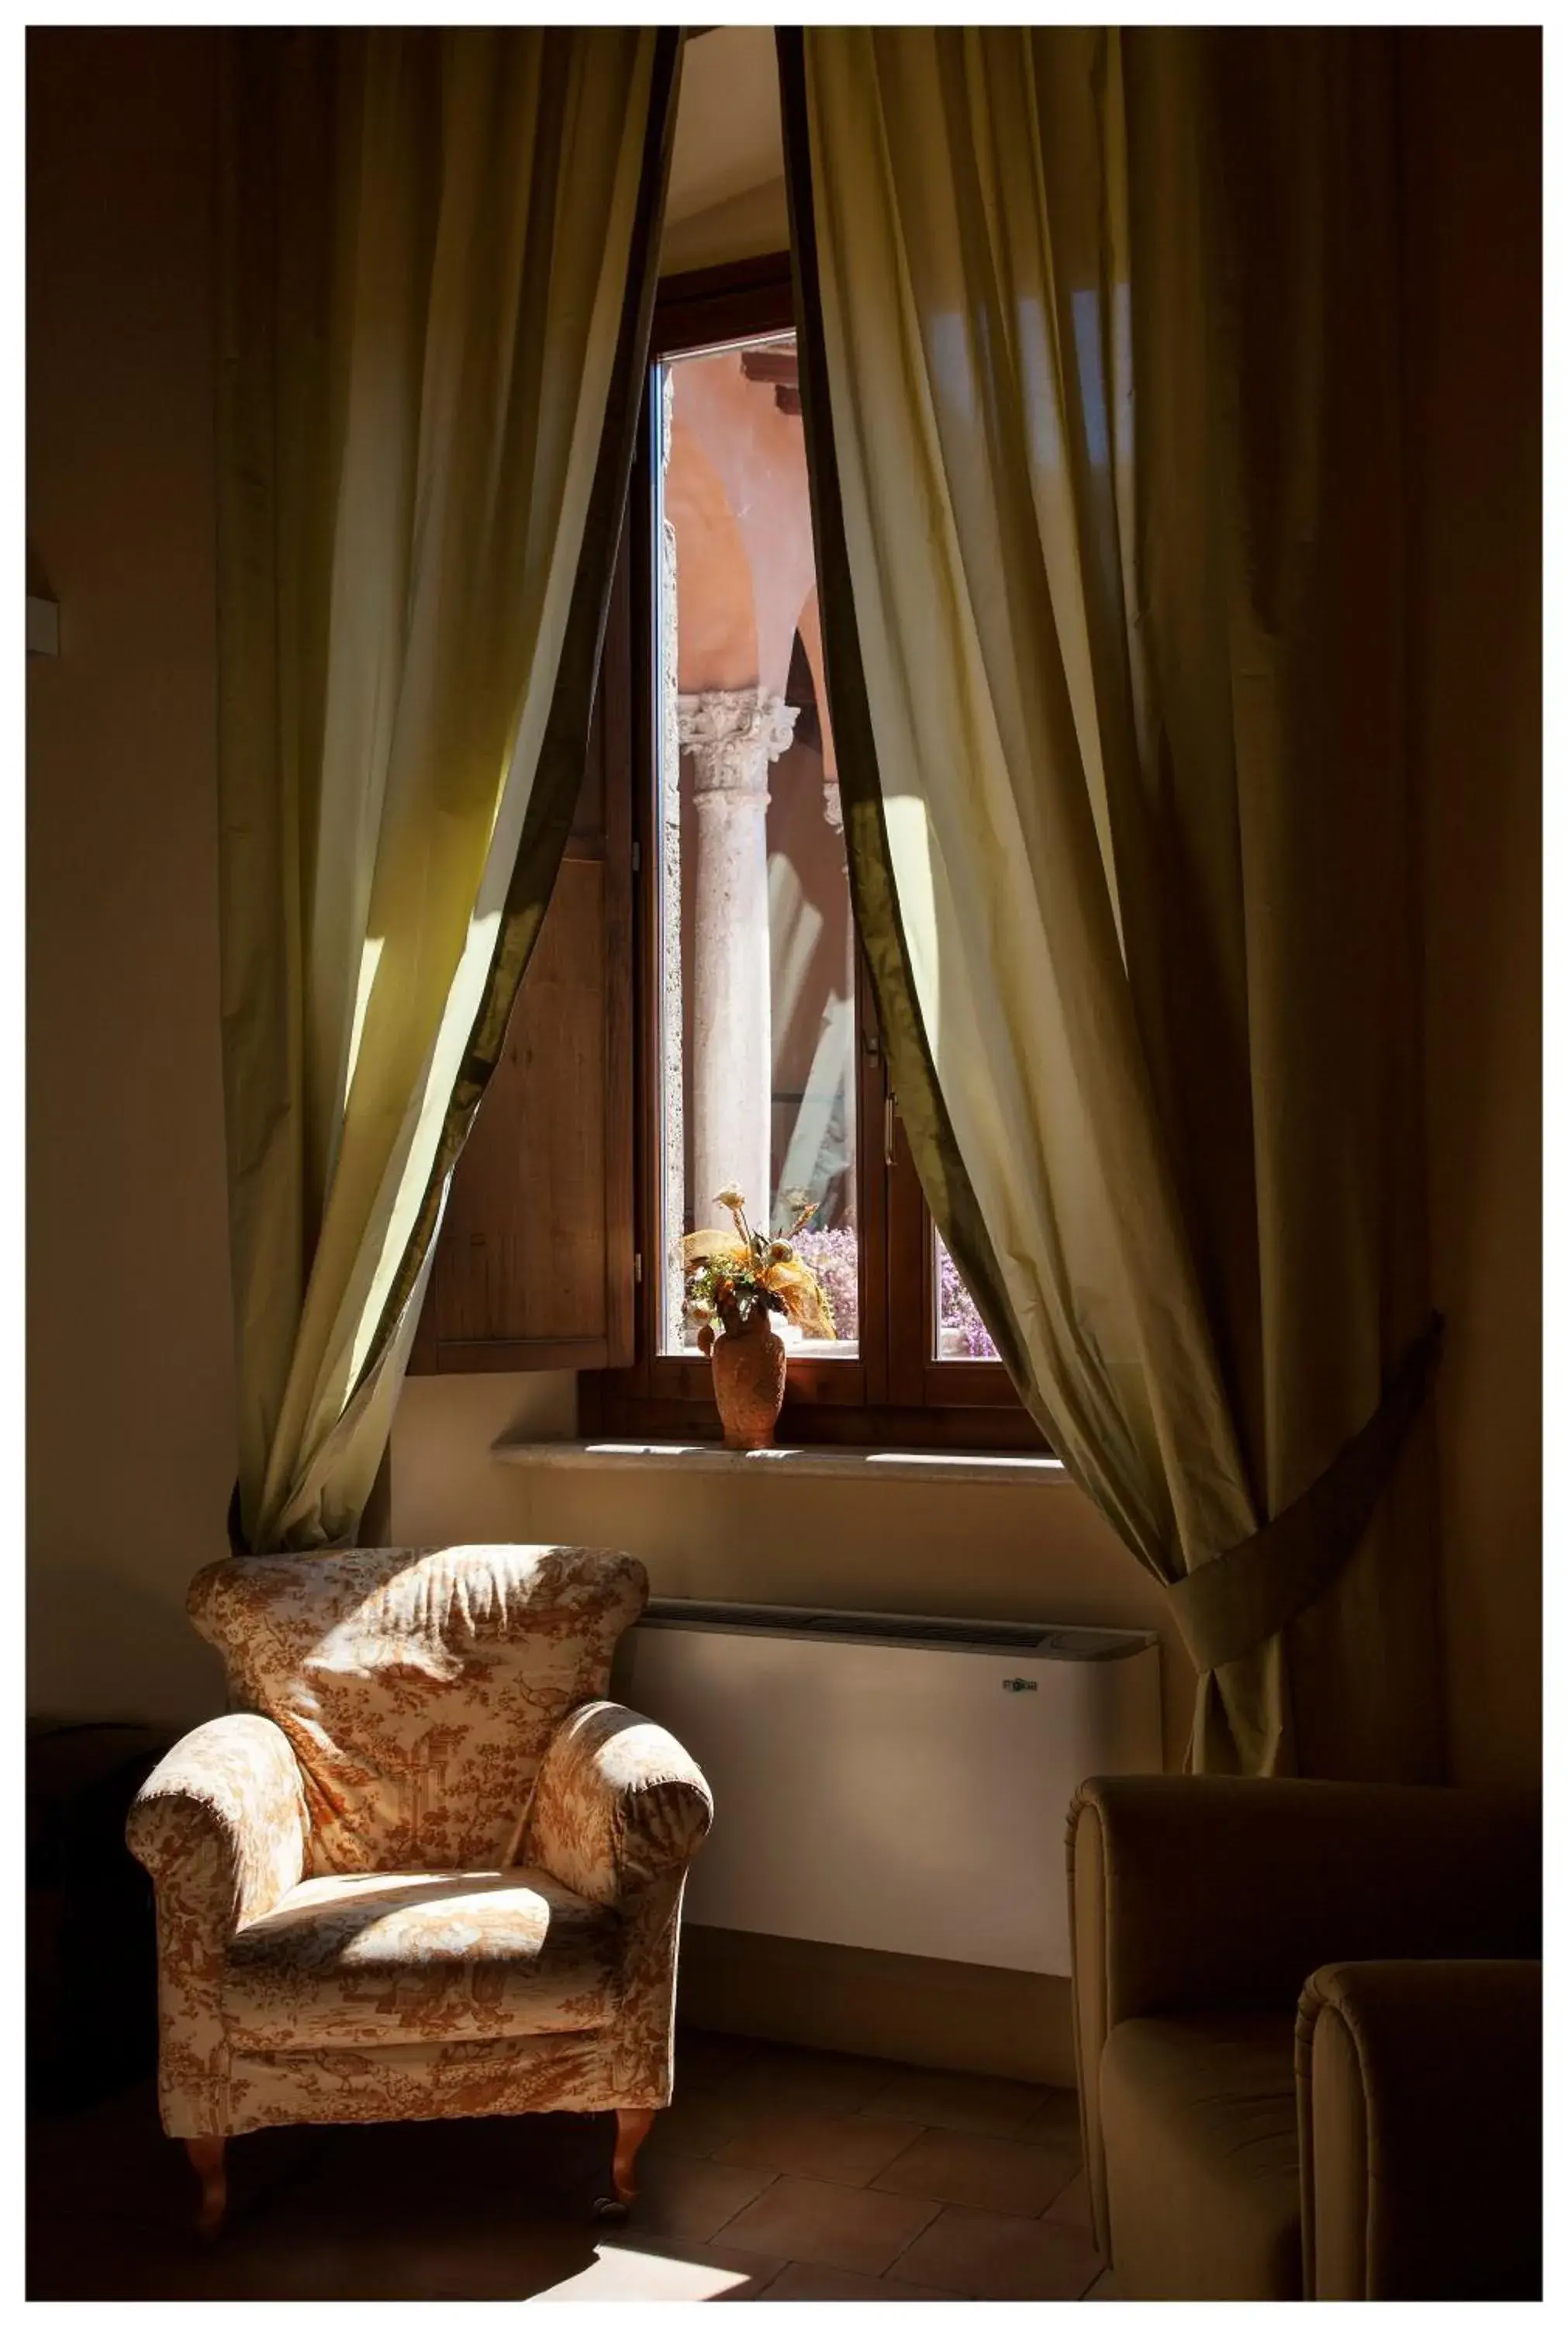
{"points": [[418, 1688]]}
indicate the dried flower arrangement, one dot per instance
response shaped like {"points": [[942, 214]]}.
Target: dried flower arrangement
{"points": [[731, 1273]]}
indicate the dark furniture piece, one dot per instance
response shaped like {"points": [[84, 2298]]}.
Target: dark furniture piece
{"points": [[1308, 2022]]}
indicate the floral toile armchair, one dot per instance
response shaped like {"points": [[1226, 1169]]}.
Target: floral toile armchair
{"points": [[427, 1872]]}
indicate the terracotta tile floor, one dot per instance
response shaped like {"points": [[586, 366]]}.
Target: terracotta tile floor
{"points": [[778, 2175]]}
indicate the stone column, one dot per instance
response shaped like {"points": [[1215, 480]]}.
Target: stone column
{"points": [[731, 734]]}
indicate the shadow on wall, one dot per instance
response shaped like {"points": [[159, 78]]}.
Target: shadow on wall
{"points": [[101, 1645]]}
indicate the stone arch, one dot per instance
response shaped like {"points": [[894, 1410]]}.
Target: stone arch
{"points": [[808, 631], [759, 458], [717, 643]]}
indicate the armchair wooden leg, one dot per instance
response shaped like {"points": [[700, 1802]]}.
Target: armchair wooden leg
{"points": [[633, 2127], [206, 2155]]}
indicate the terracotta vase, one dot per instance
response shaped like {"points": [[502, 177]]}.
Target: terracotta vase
{"points": [[749, 1363]]}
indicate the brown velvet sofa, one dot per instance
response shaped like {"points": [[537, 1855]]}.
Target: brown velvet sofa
{"points": [[1308, 2020]]}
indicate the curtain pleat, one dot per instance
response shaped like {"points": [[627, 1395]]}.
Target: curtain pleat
{"points": [[439, 257], [1100, 377]]}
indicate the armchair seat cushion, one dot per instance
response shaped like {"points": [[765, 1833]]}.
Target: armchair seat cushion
{"points": [[422, 1957], [1199, 2119]]}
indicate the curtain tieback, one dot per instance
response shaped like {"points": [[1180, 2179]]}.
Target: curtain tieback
{"points": [[1235, 1602]]}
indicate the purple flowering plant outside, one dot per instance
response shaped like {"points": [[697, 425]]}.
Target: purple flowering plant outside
{"points": [[956, 1314], [833, 1255]]}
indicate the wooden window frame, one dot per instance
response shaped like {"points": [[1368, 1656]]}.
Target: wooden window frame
{"points": [[896, 1392]]}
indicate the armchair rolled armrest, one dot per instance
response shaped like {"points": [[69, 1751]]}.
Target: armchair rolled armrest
{"points": [[1418, 2095], [1193, 1893], [618, 1802], [221, 1825]]}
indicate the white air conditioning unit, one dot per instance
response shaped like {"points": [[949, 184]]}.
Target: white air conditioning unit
{"points": [[896, 1782]]}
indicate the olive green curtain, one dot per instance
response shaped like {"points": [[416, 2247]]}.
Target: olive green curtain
{"points": [[438, 255], [1101, 382]]}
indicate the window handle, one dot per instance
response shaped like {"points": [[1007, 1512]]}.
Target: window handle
{"points": [[889, 1109]]}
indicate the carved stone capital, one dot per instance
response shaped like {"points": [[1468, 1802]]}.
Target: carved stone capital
{"points": [[731, 734]]}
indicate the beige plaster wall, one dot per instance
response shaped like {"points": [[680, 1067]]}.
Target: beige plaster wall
{"points": [[726, 182], [925, 1548], [130, 1433], [729, 137], [748, 226]]}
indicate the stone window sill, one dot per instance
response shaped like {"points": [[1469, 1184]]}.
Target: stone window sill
{"points": [[930, 1468]]}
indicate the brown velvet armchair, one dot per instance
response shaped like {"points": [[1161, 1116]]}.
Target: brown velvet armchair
{"points": [[426, 1871], [1307, 2021]]}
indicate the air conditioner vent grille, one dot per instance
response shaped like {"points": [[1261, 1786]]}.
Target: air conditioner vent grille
{"points": [[1072, 1643]]}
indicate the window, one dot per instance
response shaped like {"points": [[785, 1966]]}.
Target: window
{"points": [[759, 1065], [753, 937]]}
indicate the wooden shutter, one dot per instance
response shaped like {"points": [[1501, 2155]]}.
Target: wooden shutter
{"points": [[533, 1266]]}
